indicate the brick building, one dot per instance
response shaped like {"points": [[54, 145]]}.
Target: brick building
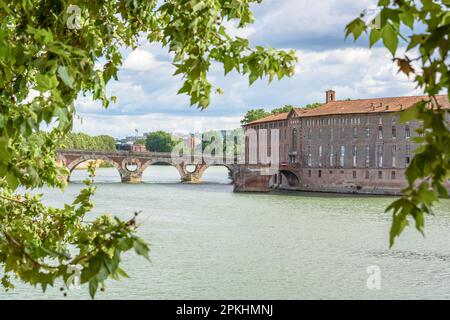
{"points": [[354, 146]]}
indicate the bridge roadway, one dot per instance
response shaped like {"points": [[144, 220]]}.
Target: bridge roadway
{"points": [[131, 166]]}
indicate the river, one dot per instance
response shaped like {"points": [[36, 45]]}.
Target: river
{"points": [[209, 243]]}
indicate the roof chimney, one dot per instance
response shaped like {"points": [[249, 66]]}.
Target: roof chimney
{"points": [[330, 96]]}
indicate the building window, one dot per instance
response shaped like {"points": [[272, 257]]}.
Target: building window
{"points": [[342, 133], [408, 160], [367, 131], [380, 121], [407, 132], [331, 134], [309, 173], [294, 139], [394, 155], [393, 175], [380, 175], [380, 132], [309, 134], [355, 155], [355, 132], [367, 155], [320, 133], [320, 174], [354, 174], [331, 156], [394, 132], [380, 152], [367, 174], [320, 156], [342, 156], [309, 157]]}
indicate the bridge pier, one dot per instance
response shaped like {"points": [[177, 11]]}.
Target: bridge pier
{"points": [[131, 178], [246, 180], [192, 178]]}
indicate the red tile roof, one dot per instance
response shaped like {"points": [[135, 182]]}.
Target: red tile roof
{"points": [[359, 106], [368, 106], [271, 118]]}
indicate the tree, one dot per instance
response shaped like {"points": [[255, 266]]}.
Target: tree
{"points": [[312, 105], [424, 29], [83, 141], [253, 115], [52, 53], [284, 109], [141, 141], [160, 141]]}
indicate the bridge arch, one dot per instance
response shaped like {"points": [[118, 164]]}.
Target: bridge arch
{"points": [[162, 161], [207, 170], [154, 162], [289, 178], [74, 163]]}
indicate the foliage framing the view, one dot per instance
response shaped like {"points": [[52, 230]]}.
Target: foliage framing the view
{"points": [[428, 47], [50, 53]]}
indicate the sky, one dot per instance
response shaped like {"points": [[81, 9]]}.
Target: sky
{"points": [[146, 90]]}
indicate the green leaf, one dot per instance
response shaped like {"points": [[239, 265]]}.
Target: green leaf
{"points": [[375, 35], [390, 38], [46, 82], [93, 286], [12, 181], [65, 77], [141, 248]]}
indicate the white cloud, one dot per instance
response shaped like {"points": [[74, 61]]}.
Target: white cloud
{"points": [[141, 60], [147, 91], [299, 20]]}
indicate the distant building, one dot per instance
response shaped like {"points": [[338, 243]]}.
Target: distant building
{"points": [[138, 147], [345, 146]]}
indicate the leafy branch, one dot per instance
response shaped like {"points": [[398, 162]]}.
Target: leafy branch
{"points": [[430, 167]]}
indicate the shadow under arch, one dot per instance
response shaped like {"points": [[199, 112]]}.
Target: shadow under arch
{"points": [[291, 178], [163, 172], [75, 163], [218, 173]]}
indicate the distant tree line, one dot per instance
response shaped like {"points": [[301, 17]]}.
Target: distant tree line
{"points": [[84, 141]]}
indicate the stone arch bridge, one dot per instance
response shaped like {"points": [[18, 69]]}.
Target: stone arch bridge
{"points": [[131, 166]]}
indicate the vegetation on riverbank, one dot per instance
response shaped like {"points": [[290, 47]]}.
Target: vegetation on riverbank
{"points": [[82, 141]]}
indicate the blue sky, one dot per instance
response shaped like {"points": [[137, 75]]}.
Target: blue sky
{"points": [[146, 89]]}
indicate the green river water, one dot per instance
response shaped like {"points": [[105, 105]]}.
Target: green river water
{"points": [[209, 243]]}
